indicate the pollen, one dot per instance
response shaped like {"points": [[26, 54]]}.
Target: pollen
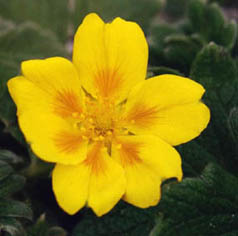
{"points": [[95, 138], [90, 120], [109, 133], [99, 121], [83, 128], [82, 116], [118, 146], [84, 137], [75, 114], [76, 125]]}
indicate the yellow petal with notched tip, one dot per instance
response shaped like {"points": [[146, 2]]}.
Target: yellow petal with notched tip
{"points": [[107, 181], [111, 58], [45, 100], [70, 186], [147, 161], [169, 107]]}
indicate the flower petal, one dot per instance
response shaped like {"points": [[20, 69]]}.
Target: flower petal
{"points": [[143, 186], [167, 106], [70, 186], [151, 151], [51, 137], [107, 181], [52, 74], [110, 58], [147, 160]]}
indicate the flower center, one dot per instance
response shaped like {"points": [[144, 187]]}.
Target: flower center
{"points": [[99, 122]]}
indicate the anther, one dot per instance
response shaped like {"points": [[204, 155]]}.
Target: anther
{"points": [[101, 138], [118, 146], [75, 114], [90, 120], [84, 137], [87, 100], [76, 124], [83, 128], [95, 139], [109, 133], [132, 121], [82, 116], [125, 131]]}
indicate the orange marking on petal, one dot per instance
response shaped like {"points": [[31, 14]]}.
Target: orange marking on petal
{"points": [[68, 142], [66, 103], [129, 153], [95, 160], [142, 115], [108, 82]]}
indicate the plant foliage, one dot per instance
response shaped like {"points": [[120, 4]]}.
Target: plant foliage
{"points": [[191, 38]]}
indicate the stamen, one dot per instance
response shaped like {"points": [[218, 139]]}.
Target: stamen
{"points": [[76, 125], [118, 146], [82, 116], [109, 133], [96, 139], [83, 128], [87, 100], [84, 137], [125, 131], [75, 114]]}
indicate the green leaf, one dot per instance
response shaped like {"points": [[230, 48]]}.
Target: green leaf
{"points": [[233, 123], [184, 48], [12, 208], [53, 15], [5, 170], [5, 26], [235, 48], [194, 158], [129, 10], [228, 36], [215, 20], [11, 226], [209, 21], [157, 42], [216, 71], [10, 157], [56, 231], [175, 9], [37, 167], [206, 205], [160, 70], [27, 41], [42, 228], [196, 14], [124, 219], [11, 185], [213, 67]]}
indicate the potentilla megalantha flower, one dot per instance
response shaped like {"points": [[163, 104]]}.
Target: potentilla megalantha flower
{"points": [[109, 131]]}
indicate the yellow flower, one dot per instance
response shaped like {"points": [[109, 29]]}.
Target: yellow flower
{"points": [[109, 131]]}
